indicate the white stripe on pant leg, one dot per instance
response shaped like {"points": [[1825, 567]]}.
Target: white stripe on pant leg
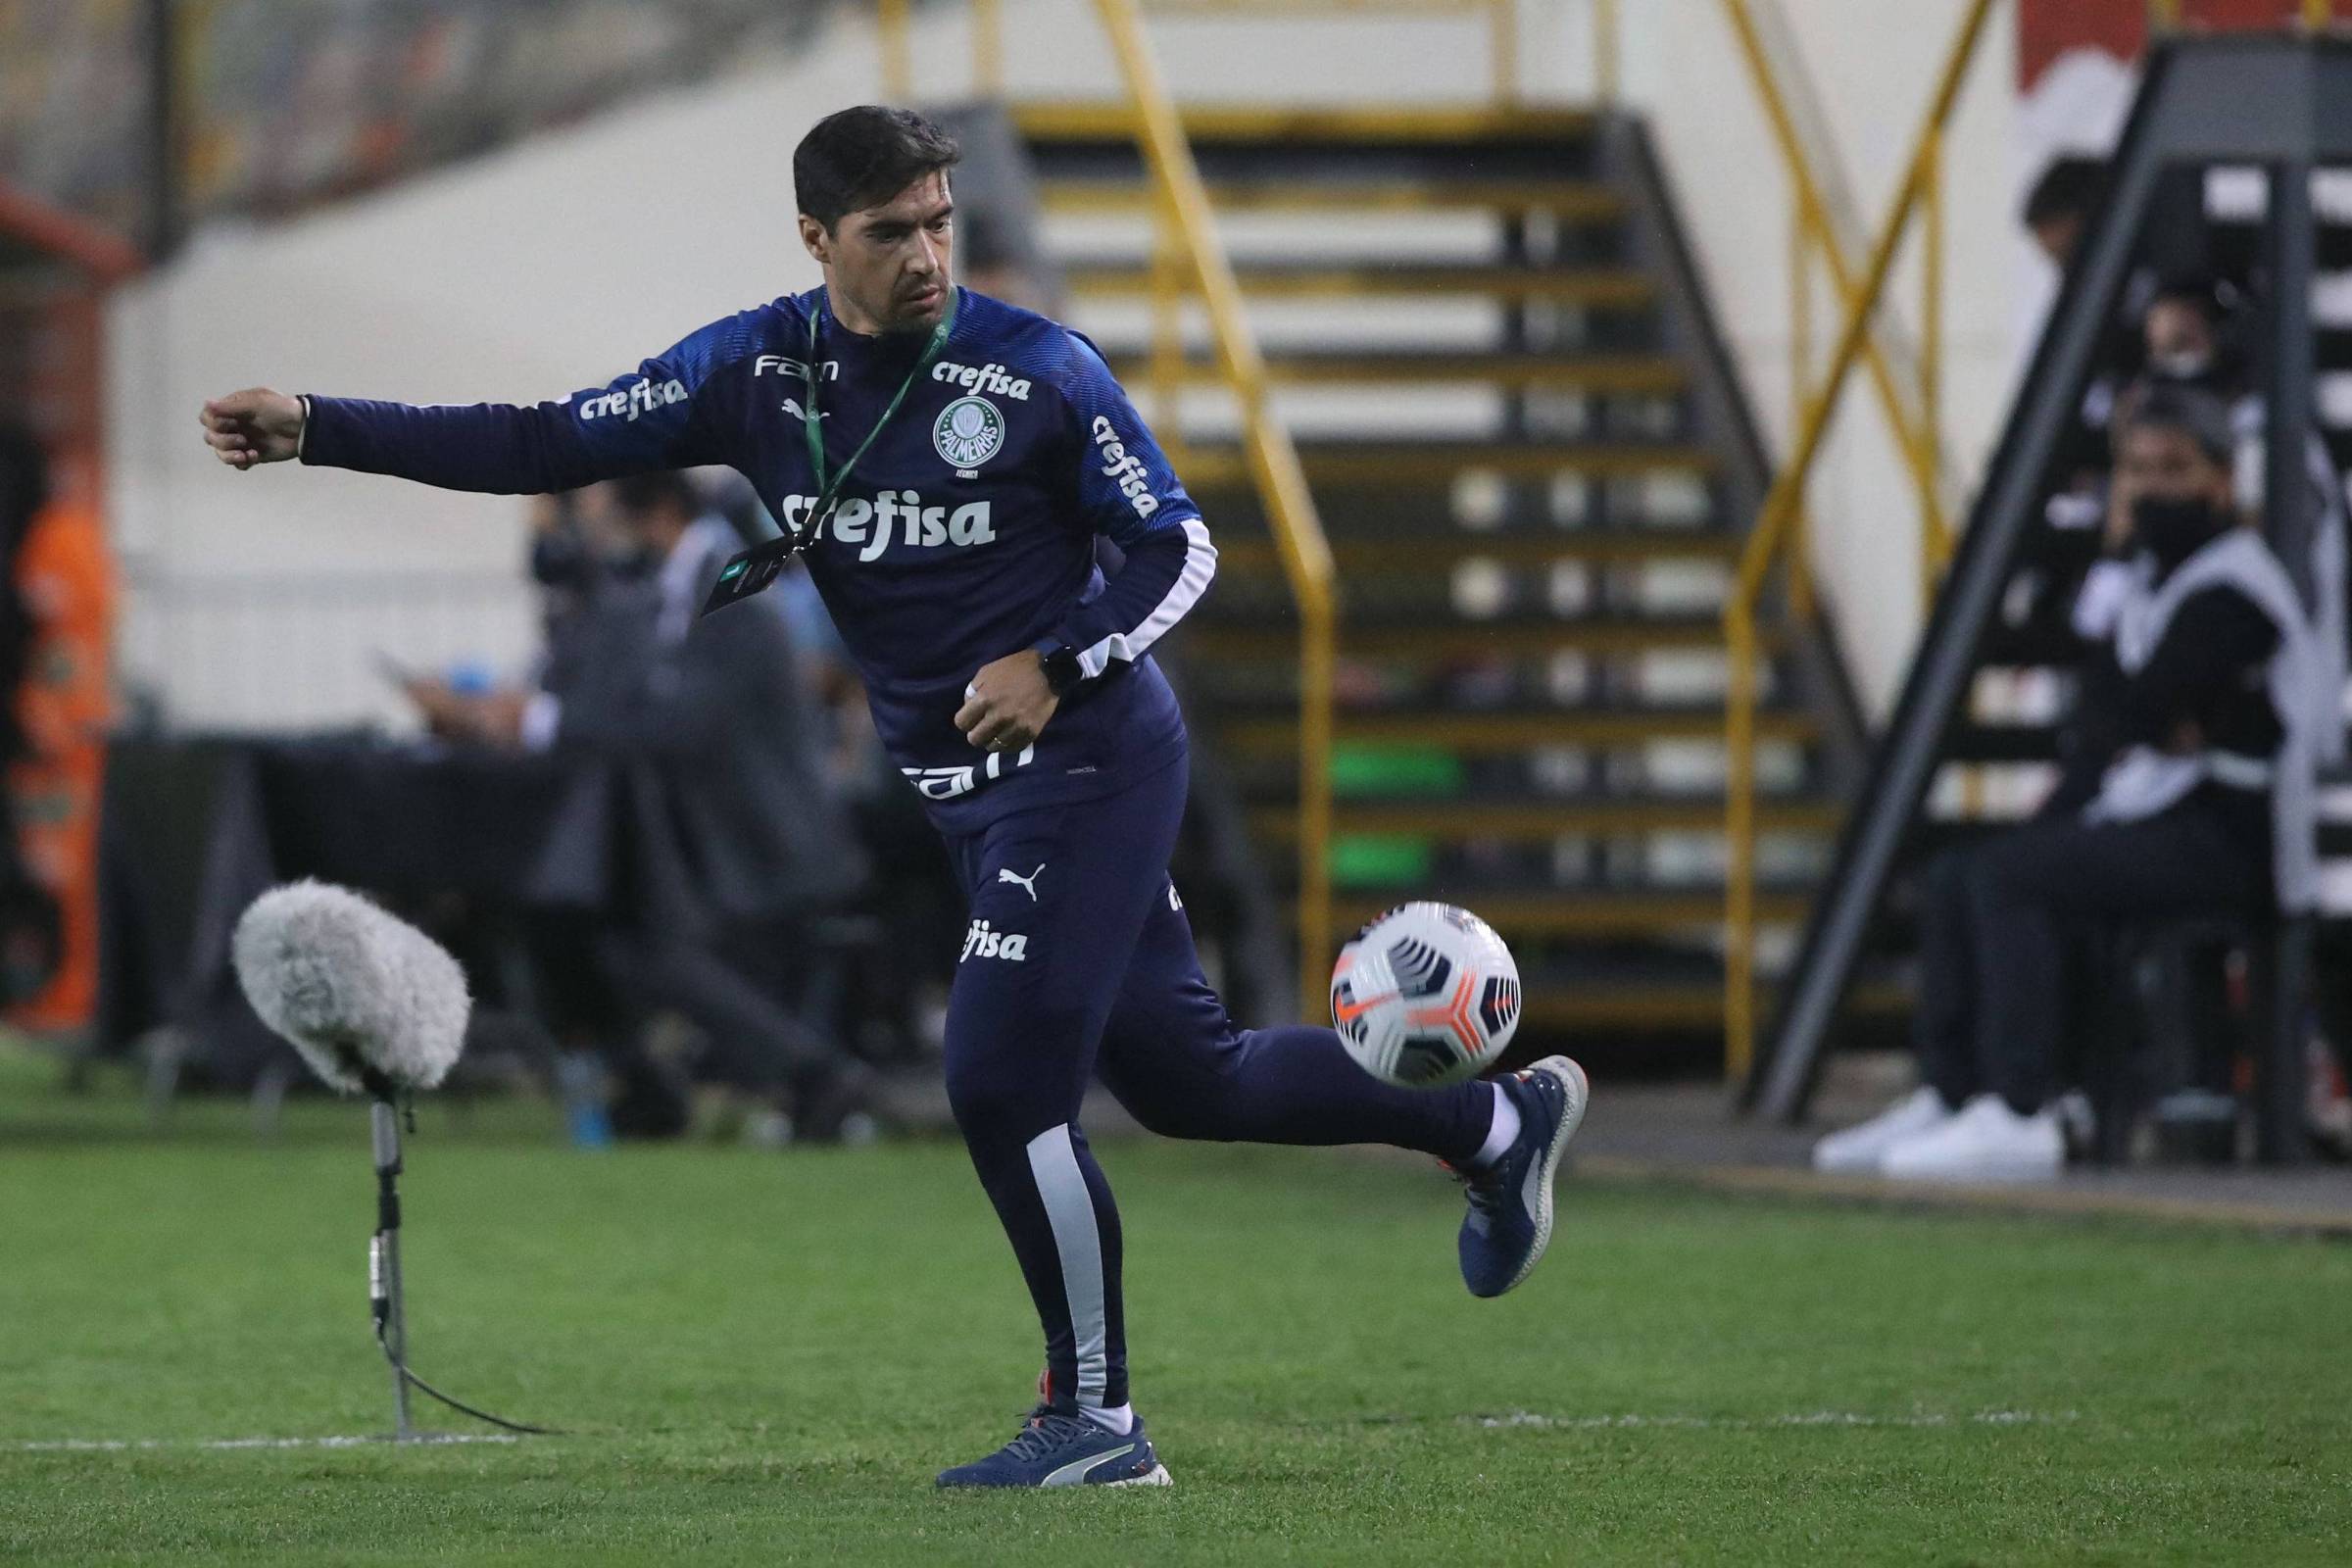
{"points": [[1070, 1211]]}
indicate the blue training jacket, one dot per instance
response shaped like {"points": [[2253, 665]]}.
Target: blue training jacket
{"points": [[966, 533]]}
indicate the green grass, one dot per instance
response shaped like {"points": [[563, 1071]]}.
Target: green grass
{"points": [[763, 1358]]}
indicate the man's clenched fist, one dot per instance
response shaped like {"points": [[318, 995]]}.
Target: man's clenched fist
{"points": [[1006, 703], [257, 425]]}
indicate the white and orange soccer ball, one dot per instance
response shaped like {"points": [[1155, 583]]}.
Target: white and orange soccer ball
{"points": [[1426, 995]]}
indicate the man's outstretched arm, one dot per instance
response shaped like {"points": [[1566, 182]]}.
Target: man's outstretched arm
{"points": [[655, 417], [490, 447]]}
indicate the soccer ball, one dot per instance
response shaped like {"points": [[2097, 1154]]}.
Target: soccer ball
{"points": [[1424, 996]]}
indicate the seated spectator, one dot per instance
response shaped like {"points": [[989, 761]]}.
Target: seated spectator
{"points": [[719, 708], [2188, 338], [2199, 805], [2184, 334]]}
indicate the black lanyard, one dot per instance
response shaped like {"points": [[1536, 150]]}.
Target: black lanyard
{"points": [[752, 571]]}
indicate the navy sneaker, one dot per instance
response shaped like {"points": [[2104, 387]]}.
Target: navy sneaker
{"points": [[1058, 1447], [1509, 1223]]}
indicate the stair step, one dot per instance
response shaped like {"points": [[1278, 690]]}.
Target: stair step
{"points": [[1208, 638], [1622, 374], [1996, 742], [1590, 289], [1524, 548], [1667, 1005], [1568, 912], [1443, 125], [2047, 643], [1345, 464], [1572, 201], [1542, 819], [1675, 517], [1495, 734]]}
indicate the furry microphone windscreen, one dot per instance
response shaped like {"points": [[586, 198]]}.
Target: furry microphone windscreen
{"points": [[351, 987]]}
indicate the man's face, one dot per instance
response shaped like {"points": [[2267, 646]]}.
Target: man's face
{"points": [[2180, 337], [2165, 465], [886, 267]]}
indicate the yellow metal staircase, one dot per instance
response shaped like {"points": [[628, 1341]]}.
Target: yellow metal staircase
{"points": [[1534, 471]]}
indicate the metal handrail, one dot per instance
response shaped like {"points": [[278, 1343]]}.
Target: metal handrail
{"points": [[1818, 235], [987, 49], [1273, 467], [1769, 540], [898, 51], [1607, 53]]}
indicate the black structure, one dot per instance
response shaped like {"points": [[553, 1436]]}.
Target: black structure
{"points": [[2282, 104]]}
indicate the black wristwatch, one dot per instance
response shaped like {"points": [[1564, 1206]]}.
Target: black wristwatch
{"points": [[1062, 670]]}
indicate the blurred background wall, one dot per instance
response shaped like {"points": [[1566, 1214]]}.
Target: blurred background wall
{"points": [[560, 259]]}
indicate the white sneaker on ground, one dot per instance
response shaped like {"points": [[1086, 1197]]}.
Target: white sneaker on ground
{"points": [[1861, 1147], [1986, 1141]]}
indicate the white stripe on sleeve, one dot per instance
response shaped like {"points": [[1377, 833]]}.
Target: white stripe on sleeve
{"points": [[1199, 565]]}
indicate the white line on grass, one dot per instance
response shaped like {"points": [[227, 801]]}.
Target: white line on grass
{"points": [[1811, 1418], [1516, 1418], [128, 1444]]}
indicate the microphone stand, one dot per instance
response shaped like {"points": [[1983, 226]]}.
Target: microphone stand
{"points": [[385, 1300]]}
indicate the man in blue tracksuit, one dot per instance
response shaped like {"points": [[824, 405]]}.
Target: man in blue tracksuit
{"points": [[953, 460]]}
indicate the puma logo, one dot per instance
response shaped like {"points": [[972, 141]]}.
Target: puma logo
{"points": [[1027, 884]]}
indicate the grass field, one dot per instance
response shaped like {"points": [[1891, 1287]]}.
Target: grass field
{"points": [[761, 1358]]}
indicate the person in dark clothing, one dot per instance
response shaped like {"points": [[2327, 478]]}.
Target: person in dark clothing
{"points": [[2183, 332], [583, 558], [2059, 206], [717, 707], [23, 493], [2186, 335], [2175, 819], [31, 922]]}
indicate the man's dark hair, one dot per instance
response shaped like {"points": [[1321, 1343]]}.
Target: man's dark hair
{"points": [[2070, 186], [2213, 297], [864, 156], [2191, 411], [642, 494]]}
